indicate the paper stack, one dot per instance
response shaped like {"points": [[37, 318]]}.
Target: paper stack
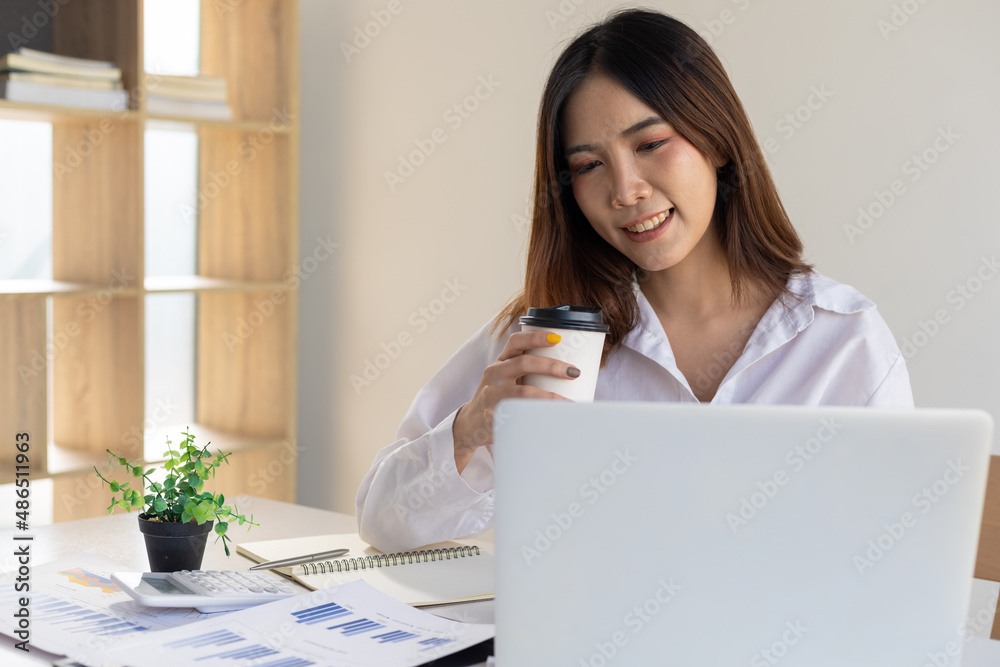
{"points": [[46, 78], [200, 96]]}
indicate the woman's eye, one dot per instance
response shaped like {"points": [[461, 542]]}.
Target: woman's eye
{"points": [[584, 168], [652, 145]]}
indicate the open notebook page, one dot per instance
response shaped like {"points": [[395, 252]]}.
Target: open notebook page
{"points": [[456, 579]]}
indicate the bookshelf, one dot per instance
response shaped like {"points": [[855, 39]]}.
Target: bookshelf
{"points": [[85, 328]]}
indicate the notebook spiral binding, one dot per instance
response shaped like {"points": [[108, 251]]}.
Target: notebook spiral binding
{"points": [[386, 560]]}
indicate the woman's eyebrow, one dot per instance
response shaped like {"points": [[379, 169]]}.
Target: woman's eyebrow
{"points": [[641, 125]]}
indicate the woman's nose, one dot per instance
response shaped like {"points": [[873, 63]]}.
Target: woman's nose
{"points": [[628, 186]]}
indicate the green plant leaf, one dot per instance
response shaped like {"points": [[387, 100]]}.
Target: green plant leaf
{"points": [[221, 527], [193, 480], [159, 504], [201, 513], [114, 487]]}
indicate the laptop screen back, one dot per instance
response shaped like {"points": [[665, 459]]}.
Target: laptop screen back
{"points": [[639, 534]]}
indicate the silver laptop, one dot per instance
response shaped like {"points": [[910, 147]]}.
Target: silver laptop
{"points": [[657, 534]]}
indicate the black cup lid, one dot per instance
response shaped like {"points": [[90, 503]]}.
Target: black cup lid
{"points": [[579, 318]]}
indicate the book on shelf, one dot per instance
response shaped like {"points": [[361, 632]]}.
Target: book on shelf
{"points": [[168, 106], [30, 60], [38, 93], [70, 61], [60, 80], [200, 96], [443, 573], [201, 87], [46, 78]]}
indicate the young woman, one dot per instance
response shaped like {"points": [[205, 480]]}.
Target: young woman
{"points": [[654, 202]]}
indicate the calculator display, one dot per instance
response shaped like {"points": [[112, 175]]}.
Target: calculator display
{"points": [[164, 586]]}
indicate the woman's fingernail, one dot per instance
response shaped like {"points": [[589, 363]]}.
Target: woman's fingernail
{"points": [[573, 372], [553, 338]]}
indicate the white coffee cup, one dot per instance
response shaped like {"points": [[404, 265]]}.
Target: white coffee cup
{"points": [[582, 331]]}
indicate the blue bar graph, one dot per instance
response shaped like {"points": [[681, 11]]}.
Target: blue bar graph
{"points": [[77, 619], [249, 653], [217, 638], [358, 627], [288, 662], [435, 641], [321, 613], [394, 636], [253, 653]]}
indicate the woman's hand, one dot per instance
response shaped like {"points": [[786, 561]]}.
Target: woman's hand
{"points": [[473, 427]]}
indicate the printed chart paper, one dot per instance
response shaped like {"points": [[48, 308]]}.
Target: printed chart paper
{"points": [[353, 625], [73, 605]]}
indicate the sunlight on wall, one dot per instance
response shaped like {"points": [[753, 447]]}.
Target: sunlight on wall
{"points": [[26, 193], [171, 163]]}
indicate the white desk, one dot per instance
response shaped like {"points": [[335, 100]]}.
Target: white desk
{"points": [[118, 537]]}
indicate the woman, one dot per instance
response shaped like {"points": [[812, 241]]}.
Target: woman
{"points": [[653, 201]]}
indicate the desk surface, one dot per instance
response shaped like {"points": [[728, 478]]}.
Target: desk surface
{"points": [[117, 536]]}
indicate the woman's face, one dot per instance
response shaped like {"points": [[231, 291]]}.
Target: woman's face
{"points": [[632, 171]]}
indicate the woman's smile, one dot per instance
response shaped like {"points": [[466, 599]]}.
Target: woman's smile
{"points": [[651, 228]]}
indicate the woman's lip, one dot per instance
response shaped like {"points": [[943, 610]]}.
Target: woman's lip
{"points": [[648, 217], [651, 234]]}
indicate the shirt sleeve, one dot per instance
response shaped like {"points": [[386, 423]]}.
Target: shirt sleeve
{"points": [[894, 391], [413, 494]]}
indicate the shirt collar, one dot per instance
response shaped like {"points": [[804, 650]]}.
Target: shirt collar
{"points": [[780, 324]]}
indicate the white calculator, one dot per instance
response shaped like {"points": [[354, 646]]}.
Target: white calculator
{"points": [[205, 590]]}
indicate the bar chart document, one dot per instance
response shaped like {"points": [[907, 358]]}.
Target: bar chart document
{"points": [[353, 625], [73, 605]]}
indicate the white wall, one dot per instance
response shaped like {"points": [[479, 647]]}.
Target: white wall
{"points": [[454, 218]]}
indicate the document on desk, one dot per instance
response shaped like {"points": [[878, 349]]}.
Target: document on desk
{"points": [[353, 625], [73, 605]]}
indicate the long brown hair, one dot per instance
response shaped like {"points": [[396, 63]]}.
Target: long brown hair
{"points": [[671, 69]]}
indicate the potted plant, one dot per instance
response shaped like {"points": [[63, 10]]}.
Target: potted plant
{"points": [[176, 513]]}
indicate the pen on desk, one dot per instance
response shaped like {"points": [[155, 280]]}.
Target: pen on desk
{"points": [[298, 560]]}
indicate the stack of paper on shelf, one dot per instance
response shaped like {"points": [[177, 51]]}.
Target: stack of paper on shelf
{"points": [[199, 96], [46, 78]]}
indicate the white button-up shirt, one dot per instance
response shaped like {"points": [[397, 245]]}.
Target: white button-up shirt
{"points": [[828, 347]]}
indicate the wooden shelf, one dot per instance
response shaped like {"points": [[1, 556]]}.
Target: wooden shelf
{"points": [[51, 113], [73, 370], [156, 441], [62, 462], [36, 288], [168, 284], [161, 122], [65, 461]]}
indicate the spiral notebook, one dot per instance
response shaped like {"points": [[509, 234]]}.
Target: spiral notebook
{"points": [[444, 573]]}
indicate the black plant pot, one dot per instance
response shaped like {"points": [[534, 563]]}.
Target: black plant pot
{"points": [[174, 546]]}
